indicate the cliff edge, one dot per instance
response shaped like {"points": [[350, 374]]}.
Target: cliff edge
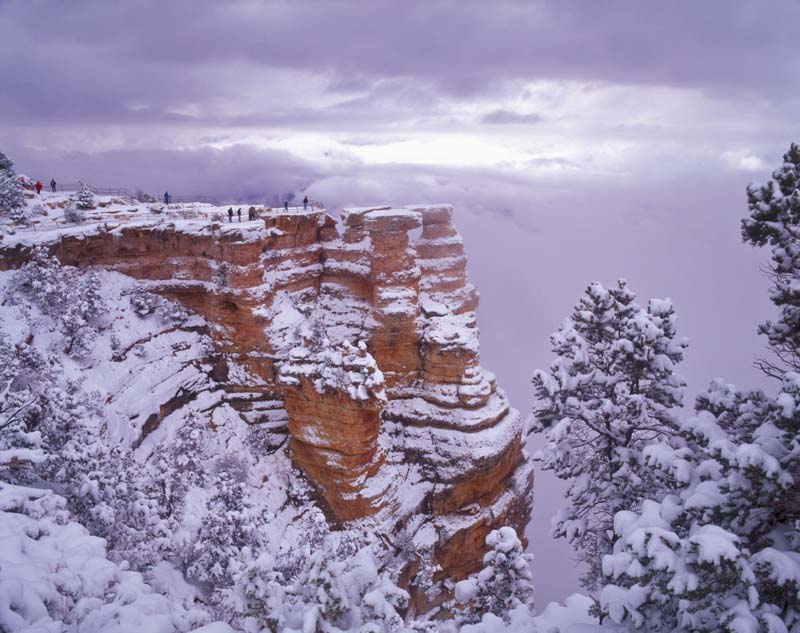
{"points": [[353, 343]]}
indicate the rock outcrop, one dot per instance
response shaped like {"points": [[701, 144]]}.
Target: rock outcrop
{"points": [[358, 340]]}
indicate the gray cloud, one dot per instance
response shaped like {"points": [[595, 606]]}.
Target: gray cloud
{"points": [[504, 117], [88, 60]]}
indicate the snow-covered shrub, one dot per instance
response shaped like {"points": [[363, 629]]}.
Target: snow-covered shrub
{"points": [[68, 295], [318, 580], [504, 583], [73, 214], [105, 489], [84, 197], [55, 576], [20, 215], [39, 408], [230, 525], [11, 192], [610, 392], [145, 303], [20, 445], [221, 272], [181, 463], [346, 367], [141, 196], [425, 579], [115, 499], [265, 440]]}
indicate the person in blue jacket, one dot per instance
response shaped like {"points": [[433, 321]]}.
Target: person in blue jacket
{"points": [[166, 197]]}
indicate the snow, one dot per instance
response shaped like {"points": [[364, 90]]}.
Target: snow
{"points": [[453, 331], [115, 214], [349, 368], [570, 617], [53, 571], [392, 213]]}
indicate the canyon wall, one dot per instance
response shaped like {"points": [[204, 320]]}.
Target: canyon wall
{"points": [[358, 341]]}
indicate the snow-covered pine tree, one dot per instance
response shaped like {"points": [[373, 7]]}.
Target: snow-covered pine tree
{"points": [[610, 392], [180, 463], [6, 164], [84, 198], [20, 446], [229, 525], [775, 220], [63, 292], [12, 201], [504, 583], [721, 553], [322, 581]]}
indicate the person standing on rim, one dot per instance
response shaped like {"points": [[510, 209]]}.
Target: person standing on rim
{"points": [[286, 206], [230, 214], [53, 185], [305, 203], [166, 197]]}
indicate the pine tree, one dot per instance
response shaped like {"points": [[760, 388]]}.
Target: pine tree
{"points": [[12, 201], [84, 198], [611, 390], [318, 580], [720, 553], [19, 401], [228, 527], [181, 463], [504, 583], [775, 221], [63, 292], [6, 164]]}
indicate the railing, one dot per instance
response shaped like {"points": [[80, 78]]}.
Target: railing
{"points": [[117, 219], [201, 197], [312, 204], [179, 198]]}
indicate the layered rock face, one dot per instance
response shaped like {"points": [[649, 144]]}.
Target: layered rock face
{"points": [[357, 339]]}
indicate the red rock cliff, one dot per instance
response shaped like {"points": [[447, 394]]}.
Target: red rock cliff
{"points": [[362, 345]]}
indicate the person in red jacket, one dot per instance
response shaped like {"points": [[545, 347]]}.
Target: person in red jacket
{"points": [[38, 187]]}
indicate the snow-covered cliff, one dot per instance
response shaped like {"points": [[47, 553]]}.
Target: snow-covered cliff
{"points": [[346, 347]]}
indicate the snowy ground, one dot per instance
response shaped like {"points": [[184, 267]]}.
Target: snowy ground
{"points": [[46, 217]]}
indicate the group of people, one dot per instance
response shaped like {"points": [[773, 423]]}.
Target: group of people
{"points": [[38, 186], [305, 204], [251, 214]]}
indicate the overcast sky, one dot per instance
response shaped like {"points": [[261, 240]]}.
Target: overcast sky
{"points": [[579, 141]]}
